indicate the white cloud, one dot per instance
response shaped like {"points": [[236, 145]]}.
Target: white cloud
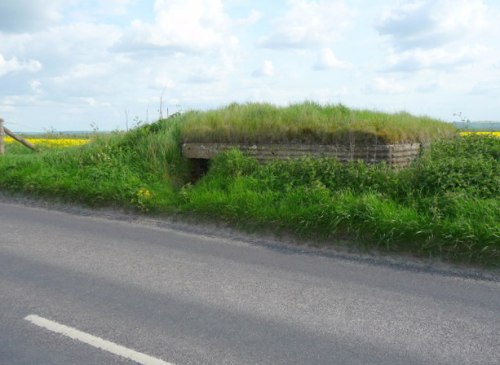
{"points": [[114, 7], [89, 101], [436, 58], [28, 15], [162, 81], [428, 87], [65, 51], [328, 60], [265, 70], [92, 102], [309, 23], [205, 74], [216, 68], [96, 10], [435, 34], [70, 44], [253, 17], [13, 101], [35, 86], [490, 87], [84, 71], [330, 95], [428, 24], [382, 85], [14, 65], [181, 26]]}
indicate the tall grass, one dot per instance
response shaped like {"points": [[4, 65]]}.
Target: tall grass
{"points": [[308, 123]]}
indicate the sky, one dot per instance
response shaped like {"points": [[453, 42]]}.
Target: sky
{"points": [[111, 64]]}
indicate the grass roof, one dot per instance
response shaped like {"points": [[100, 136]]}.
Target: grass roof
{"points": [[308, 123]]}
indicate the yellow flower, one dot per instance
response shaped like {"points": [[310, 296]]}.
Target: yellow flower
{"points": [[142, 199], [144, 193]]}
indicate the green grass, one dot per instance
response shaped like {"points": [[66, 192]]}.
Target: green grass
{"points": [[309, 123], [444, 205]]}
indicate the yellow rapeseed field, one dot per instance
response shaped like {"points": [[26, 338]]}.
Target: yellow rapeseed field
{"points": [[494, 134], [53, 142]]}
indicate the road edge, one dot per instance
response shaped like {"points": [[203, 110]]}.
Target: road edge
{"points": [[289, 244]]}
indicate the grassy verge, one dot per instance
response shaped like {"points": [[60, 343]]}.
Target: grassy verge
{"points": [[445, 205]]}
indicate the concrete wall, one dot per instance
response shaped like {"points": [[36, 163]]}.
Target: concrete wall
{"points": [[398, 155]]}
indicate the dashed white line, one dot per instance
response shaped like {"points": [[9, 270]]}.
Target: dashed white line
{"points": [[95, 341]]}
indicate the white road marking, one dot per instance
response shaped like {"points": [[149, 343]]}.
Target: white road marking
{"points": [[95, 341]]}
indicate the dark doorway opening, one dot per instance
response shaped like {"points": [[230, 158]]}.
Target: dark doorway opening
{"points": [[199, 168]]}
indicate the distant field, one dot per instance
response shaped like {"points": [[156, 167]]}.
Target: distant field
{"points": [[478, 126]]}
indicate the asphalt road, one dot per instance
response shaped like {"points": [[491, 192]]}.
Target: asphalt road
{"points": [[191, 299]]}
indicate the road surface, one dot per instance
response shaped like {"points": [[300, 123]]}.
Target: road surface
{"points": [[87, 290]]}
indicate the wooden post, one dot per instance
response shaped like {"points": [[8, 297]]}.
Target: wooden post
{"points": [[19, 139], [2, 145]]}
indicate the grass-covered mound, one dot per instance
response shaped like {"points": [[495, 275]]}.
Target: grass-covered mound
{"points": [[309, 123], [445, 204]]}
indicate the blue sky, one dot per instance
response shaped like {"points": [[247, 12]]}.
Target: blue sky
{"points": [[74, 64]]}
